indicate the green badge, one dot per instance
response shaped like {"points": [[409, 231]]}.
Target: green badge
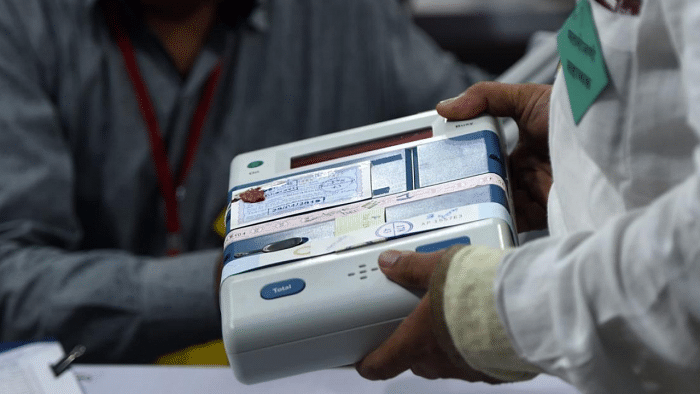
{"points": [[582, 60]]}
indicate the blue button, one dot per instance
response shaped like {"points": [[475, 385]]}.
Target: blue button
{"points": [[282, 289], [434, 247]]}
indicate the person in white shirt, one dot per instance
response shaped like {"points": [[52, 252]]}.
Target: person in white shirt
{"points": [[609, 300]]}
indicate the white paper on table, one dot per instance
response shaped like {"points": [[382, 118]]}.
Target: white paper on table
{"points": [[27, 370]]}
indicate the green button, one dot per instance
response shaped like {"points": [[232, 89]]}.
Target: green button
{"points": [[254, 164]]}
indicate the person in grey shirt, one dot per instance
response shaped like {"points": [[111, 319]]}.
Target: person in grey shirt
{"points": [[83, 224]]}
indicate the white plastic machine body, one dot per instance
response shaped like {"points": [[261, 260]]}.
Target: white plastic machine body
{"points": [[331, 309]]}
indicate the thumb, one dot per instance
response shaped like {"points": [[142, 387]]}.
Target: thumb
{"points": [[409, 269], [494, 98]]}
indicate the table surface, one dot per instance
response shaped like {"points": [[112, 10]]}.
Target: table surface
{"points": [[102, 379]]}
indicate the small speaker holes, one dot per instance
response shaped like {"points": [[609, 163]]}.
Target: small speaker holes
{"points": [[363, 271]]}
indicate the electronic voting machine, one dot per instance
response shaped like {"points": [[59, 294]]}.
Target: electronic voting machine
{"points": [[300, 288]]}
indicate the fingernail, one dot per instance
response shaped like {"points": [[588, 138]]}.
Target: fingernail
{"points": [[448, 101], [388, 258]]}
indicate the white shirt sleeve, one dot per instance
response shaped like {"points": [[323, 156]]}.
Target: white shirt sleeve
{"points": [[609, 302]]}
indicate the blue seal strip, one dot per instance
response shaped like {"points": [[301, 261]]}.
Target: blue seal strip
{"points": [[410, 168], [385, 160], [381, 191], [414, 169], [499, 195], [496, 163], [229, 253]]}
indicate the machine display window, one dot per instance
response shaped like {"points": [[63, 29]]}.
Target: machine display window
{"points": [[362, 147]]}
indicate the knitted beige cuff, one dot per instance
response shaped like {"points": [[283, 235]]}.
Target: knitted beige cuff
{"points": [[463, 298], [437, 285]]}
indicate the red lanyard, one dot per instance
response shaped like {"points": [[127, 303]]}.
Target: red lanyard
{"points": [[166, 181]]}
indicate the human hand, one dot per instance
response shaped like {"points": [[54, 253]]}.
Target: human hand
{"points": [[530, 167], [418, 343]]}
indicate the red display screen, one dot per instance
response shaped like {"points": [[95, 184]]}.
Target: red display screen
{"points": [[362, 147]]}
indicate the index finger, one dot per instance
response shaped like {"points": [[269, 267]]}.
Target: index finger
{"points": [[494, 98], [409, 269]]}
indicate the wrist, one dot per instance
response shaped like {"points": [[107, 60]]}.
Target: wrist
{"points": [[437, 305], [467, 309]]}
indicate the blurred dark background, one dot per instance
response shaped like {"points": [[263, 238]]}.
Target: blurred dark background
{"points": [[490, 33]]}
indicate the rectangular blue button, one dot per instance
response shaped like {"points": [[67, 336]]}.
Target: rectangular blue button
{"points": [[282, 289], [434, 247]]}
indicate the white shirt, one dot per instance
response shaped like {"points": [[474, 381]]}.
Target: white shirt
{"points": [[611, 300]]}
